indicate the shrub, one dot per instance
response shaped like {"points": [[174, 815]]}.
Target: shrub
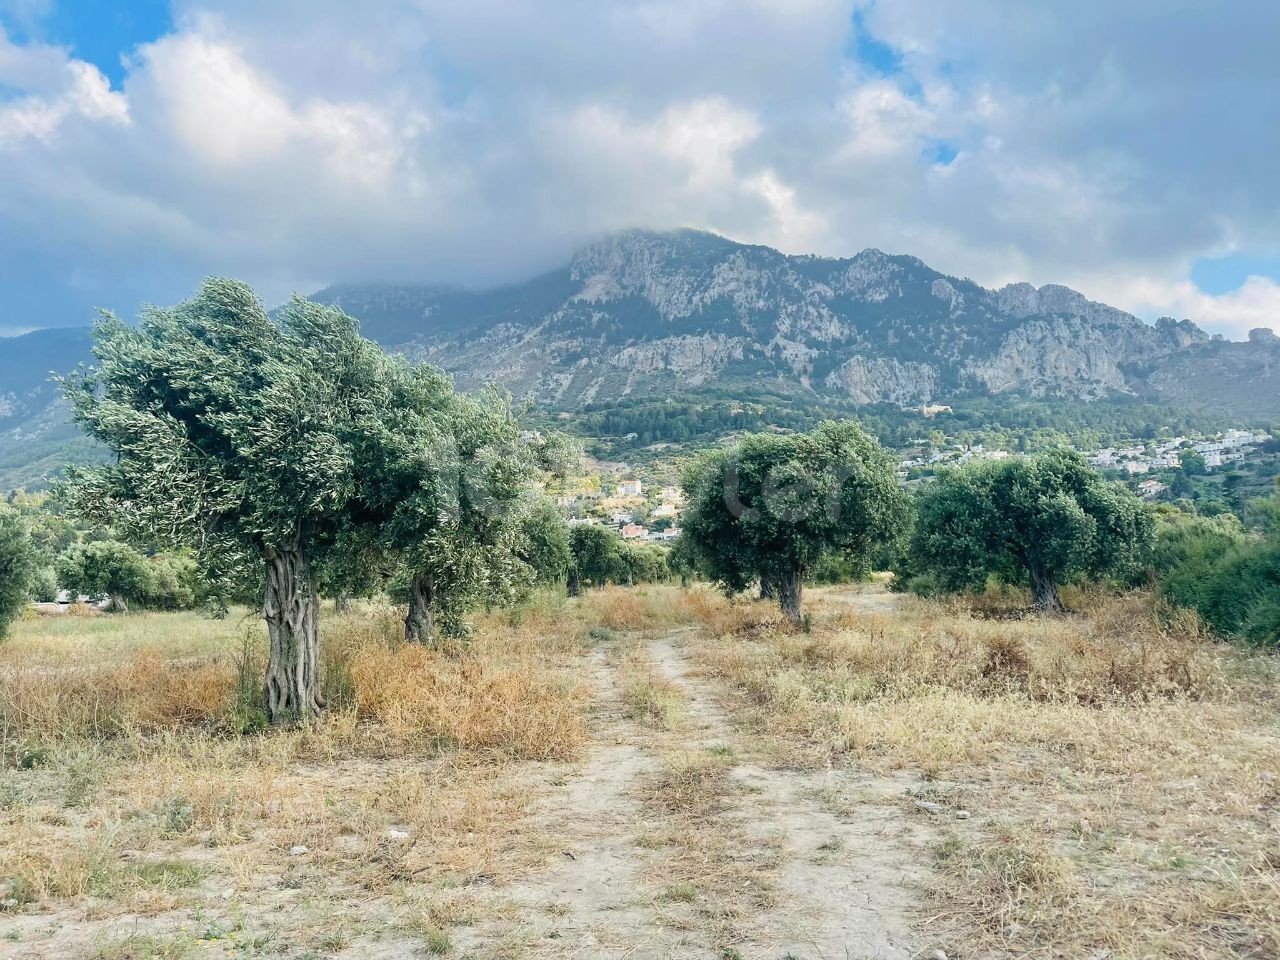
{"points": [[17, 564], [1232, 580], [173, 583], [43, 585], [105, 568]]}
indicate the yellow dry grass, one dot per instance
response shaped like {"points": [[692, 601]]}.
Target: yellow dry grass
{"points": [[1121, 767], [129, 787]]}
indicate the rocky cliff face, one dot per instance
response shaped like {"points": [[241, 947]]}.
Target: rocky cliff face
{"points": [[650, 313], [660, 314]]}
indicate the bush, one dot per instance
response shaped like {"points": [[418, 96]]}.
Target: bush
{"points": [[1230, 579], [104, 568], [43, 586], [17, 564], [838, 568], [172, 583], [642, 563]]}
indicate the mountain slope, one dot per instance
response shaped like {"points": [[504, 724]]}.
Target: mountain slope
{"points": [[645, 314]]}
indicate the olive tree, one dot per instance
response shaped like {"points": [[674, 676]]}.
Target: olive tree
{"points": [[231, 433], [109, 568], [442, 477], [596, 556], [18, 564], [771, 506], [1033, 520], [544, 543]]}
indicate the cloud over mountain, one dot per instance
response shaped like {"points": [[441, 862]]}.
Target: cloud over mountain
{"points": [[1106, 146]]}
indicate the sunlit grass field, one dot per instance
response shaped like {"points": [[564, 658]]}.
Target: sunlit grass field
{"points": [[1119, 768]]}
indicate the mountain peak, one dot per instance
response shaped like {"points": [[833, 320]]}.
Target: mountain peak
{"points": [[645, 312]]}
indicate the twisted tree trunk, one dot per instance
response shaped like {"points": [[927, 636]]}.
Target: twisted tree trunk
{"points": [[291, 609], [789, 589], [1045, 591], [768, 589], [117, 604], [418, 623]]}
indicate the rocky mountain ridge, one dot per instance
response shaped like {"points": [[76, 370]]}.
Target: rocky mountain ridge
{"points": [[645, 314], [642, 313]]}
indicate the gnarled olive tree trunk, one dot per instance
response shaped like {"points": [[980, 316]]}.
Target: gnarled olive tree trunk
{"points": [[789, 588], [1045, 591], [768, 589], [418, 623], [291, 609]]}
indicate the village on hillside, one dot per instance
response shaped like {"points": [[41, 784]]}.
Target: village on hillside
{"points": [[644, 510]]}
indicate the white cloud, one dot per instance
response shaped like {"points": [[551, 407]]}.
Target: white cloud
{"points": [[298, 142], [1255, 304], [54, 89]]}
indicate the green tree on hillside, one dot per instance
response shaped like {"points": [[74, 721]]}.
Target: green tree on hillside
{"points": [[1192, 463], [772, 506], [109, 568], [18, 564], [597, 556], [544, 543], [231, 432], [1035, 520]]}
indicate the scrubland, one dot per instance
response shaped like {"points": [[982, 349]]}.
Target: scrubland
{"points": [[647, 772], [1119, 769]]}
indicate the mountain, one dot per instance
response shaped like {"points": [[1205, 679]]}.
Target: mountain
{"points": [[35, 437], [654, 315], [651, 314]]}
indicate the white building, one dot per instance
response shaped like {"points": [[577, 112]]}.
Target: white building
{"points": [[1152, 488]]}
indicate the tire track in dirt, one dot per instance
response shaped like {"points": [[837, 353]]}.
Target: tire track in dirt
{"points": [[844, 879], [831, 845], [594, 903]]}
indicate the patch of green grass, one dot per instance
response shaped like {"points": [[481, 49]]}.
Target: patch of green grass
{"points": [[436, 941], [141, 947], [948, 848], [680, 893], [166, 874]]}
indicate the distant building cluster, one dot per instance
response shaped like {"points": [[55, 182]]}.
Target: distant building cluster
{"points": [[1132, 460], [952, 457], [1167, 454], [635, 514]]}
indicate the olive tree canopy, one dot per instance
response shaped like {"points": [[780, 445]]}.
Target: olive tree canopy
{"points": [[1032, 520], [232, 434], [18, 563], [104, 568], [771, 506]]}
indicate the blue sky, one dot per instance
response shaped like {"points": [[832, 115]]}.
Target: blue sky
{"points": [[1127, 150], [102, 33]]}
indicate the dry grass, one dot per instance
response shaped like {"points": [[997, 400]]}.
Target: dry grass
{"points": [[1121, 766], [650, 697], [468, 700], [712, 874], [128, 786], [636, 608]]}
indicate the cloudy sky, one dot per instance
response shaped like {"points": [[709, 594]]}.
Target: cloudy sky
{"points": [[1127, 149]]}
